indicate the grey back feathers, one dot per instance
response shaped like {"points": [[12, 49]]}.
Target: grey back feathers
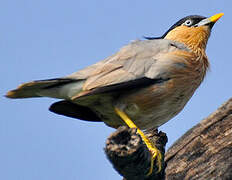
{"points": [[137, 60]]}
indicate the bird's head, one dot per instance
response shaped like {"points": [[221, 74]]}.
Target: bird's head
{"points": [[193, 31]]}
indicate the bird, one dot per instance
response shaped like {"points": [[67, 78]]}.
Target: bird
{"points": [[144, 85]]}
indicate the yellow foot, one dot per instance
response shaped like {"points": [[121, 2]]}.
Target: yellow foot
{"points": [[156, 154]]}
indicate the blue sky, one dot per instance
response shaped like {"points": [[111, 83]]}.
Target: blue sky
{"points": [[47, 39]]}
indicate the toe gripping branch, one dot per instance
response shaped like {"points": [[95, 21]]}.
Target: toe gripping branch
{"points": [[136, 155]]}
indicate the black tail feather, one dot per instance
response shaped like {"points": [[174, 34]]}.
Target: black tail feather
{"points": [[70, 109]]}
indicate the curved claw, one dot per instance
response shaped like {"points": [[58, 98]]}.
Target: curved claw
{"points": [[156, 154]]}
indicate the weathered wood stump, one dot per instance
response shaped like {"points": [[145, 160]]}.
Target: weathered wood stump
{"points": [[130, 156]]}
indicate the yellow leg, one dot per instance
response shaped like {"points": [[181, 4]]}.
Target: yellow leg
{"points": [[154, 151]]}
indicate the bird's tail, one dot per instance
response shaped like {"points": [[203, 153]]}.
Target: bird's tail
{"points": [[62, 88]]}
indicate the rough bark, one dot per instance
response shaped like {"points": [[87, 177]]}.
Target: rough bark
{"points": [[204, 152]]}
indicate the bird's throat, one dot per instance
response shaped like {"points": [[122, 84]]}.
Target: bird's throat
{"points": [[194, 37]]}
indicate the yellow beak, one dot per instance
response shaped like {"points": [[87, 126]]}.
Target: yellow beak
{"points": [[215, 17]]}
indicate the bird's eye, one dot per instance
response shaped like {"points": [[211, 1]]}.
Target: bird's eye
{"points": [[188, 22]]}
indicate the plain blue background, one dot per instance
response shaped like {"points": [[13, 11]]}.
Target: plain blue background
{"points": [[46, 39]]}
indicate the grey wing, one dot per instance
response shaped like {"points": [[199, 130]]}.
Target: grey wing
{"points": [[137, 64]]}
